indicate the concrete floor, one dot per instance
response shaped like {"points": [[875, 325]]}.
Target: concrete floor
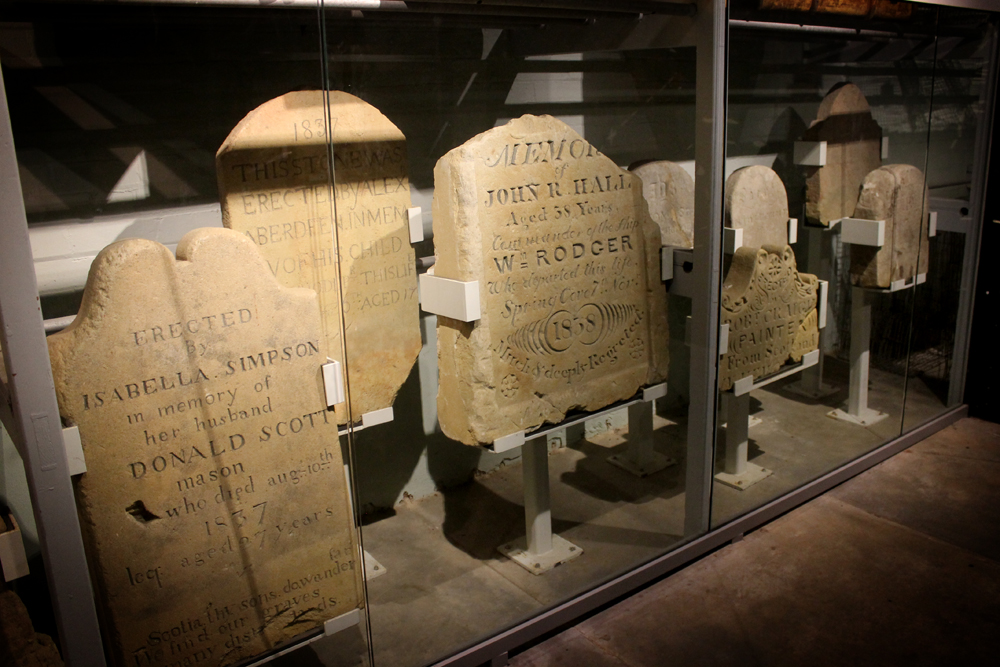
{"points": [[896, 566], [446, 586]]}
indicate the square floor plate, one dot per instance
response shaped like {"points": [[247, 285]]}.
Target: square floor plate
{"points": [[655, 463], [754, 473], [562, 551], [868, 416]]}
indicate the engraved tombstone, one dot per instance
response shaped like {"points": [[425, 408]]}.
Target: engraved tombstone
{"points": [[897, 194], [757, 203], [214, 505], [669, 193], [567, 259], [853, 148], [770, 307], [275, 184], [771, 311]]}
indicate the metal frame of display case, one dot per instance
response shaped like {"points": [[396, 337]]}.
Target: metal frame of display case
{"points": [[29, 409]]}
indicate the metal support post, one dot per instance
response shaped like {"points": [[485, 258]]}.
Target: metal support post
{"points": [[858, 411], [540, 550], [738, 472]]}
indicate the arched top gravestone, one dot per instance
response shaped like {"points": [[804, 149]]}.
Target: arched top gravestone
{"points": [[349, 241], [897, 194], [757, 203], [853, 148]]}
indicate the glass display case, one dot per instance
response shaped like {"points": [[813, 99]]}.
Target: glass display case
{"points": [[599, 286]]}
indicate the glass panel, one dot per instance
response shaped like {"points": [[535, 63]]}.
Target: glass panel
{"points": [[118, 113], [813, 112], [438, 515], [957, 142]]}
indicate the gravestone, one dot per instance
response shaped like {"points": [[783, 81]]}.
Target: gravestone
{"points": [[771, 311], [853, 148], [757, 203], [669, 193], [897, 194], [567, 259], [214, 506], [275, 183]]}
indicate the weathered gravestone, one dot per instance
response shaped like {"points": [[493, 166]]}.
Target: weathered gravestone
{"points": [[214, 505], [771, 311], [757, 203], [897, 194], [853, 148], [275, 183], [567, 259], [669, 193], [770, 307]]}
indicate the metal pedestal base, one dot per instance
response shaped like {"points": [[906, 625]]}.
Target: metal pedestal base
{"points": [[640, 459], [753, 474], [562, 551], [867, 417], [373, 568]]}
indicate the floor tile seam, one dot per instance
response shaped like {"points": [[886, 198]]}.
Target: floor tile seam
{"points": [[908, 529]]}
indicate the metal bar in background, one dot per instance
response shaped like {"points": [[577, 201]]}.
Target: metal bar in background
{"points": [[36, 414], [973, 238], [710, 153]]}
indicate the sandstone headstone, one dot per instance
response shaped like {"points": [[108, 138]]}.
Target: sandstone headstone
{"points": [[214, 506], [897, 194], [771, 311], [757, 203], [853, 148], [567, 259], [276, 188], [669, 193]]}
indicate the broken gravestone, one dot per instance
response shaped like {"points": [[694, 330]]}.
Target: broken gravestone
{"points": [[853, 148], [214, 505], [897, 194], [757, 203], [349, 241], [669, 193], [567, 259], [771, 311], [769, 306]]}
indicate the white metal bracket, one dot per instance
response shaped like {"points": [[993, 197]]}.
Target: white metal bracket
{"points": [[862, 232], [793, 231], [884, 154], [456, 299], [724, 339], [74, 451], [822, 296], [333, 382], [416, 220], [746, 385], [666, 263], [342, 622], [932, 224], [809, 153], [732, 239], [12, 554], [377, 417]]}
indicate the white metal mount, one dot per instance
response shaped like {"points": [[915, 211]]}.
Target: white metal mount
{"points": [[456, 299]]}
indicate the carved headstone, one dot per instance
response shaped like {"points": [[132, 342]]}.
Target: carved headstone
{"points": [[853, 148], [567, 259], [771, 311], [897, 194], [669, 193], [757, 203], [276, 188], [214, 505]]}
